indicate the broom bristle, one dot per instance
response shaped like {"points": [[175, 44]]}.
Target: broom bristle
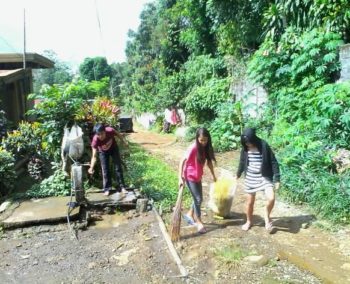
{"points": [[175, 225], [176, 219]]}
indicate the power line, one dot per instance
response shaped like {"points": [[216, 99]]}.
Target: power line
{"points": [[103, 47], [99, 27], [11, 46]]}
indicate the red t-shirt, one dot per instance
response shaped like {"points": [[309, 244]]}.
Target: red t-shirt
{"points": [[107, 143], [193, 169]]}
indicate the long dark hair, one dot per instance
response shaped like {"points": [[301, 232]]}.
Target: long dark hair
{"points": [[207, 152], [249, 136]]}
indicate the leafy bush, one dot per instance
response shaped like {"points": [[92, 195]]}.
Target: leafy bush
{"points": [[312, 182], [203, 101], [190, 134], [3, 124], [101, 110], [58, 106], [58, 184], [25, 140], [301, 62], [7, 171], [226, 129]]}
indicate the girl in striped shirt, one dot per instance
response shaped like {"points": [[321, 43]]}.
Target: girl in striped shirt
{"points": [[261, 169]]}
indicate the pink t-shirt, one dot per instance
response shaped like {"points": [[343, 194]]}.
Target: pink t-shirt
{"points": [[107, 143], [193, 170]]}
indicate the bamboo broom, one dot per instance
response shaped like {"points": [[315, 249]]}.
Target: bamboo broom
{"points": [[176, 219]]}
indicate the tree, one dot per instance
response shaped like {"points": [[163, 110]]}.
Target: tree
{"points": [[94, 69], [119, 71], [60, 74], [333, 15]]}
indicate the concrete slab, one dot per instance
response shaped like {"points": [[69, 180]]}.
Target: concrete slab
{"points": [[37, 211], [114, 199]]}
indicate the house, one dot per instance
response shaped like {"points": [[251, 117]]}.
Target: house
{"points": [[16, 83]]}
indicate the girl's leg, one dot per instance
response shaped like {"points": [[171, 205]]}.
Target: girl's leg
{"points": [[190, 212], [197, 195], [249, 211], [270, 197], [118, 167], [107, 181]]}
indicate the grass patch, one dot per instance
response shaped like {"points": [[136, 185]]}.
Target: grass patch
{"points": [[154, 177], [232, 254]]}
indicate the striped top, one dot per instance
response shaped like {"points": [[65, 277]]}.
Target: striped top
{"points": [[254, 181]]}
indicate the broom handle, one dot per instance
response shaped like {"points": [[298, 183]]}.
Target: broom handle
{"points": [[179, 196]]}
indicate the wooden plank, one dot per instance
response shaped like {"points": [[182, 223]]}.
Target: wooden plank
{"points": [[170, 244]]}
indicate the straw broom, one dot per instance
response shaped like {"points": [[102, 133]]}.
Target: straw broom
{"points": [[176, 219]]}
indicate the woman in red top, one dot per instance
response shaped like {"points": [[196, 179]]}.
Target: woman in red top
{"points": [[104, 143], [191, 172]]}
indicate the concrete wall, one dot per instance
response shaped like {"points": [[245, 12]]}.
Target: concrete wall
{"points": [[344, 56], [251, 95]]}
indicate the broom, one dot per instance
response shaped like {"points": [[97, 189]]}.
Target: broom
{"points": [[176, 219]]}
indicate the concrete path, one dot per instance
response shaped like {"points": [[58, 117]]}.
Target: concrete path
{"points": [[55, 209], [37, 211]]}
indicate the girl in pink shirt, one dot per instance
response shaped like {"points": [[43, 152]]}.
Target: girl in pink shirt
{"points": [[191, 172]]}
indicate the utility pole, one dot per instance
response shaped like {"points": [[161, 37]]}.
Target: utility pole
{"points": [[24, 38]]}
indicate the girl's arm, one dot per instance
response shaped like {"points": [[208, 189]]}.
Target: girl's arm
{"points": [[181, 171], [211, 168]]}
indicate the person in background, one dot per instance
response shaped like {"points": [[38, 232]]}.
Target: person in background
{"points": [[171, 117], [261, 169], [191, 171], [175, 117], [104, 143]]}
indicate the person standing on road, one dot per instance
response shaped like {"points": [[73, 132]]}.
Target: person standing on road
{"points": [[261, 169], [104, 143], [191, 172]]}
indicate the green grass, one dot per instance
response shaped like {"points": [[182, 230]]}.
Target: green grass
{"points": [[230, 254], [154, 177]]}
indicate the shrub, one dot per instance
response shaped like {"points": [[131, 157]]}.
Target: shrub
{"points": [[7, 171], [203, 101], [3, 124], [226, 129], [101, 110], [58, 184], [190, 134], [25, 140], [58, 107]]}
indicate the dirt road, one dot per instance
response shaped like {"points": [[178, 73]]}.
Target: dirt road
{"points": [[298, 251], [118, 248]]}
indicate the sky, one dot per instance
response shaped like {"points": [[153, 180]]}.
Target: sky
{"points": [[69, 27]]}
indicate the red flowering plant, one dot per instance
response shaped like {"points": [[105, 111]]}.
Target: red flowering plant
{"points": [[101, 110]]}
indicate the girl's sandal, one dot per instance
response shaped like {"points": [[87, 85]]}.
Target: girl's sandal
{"points": [[246, 226]]}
